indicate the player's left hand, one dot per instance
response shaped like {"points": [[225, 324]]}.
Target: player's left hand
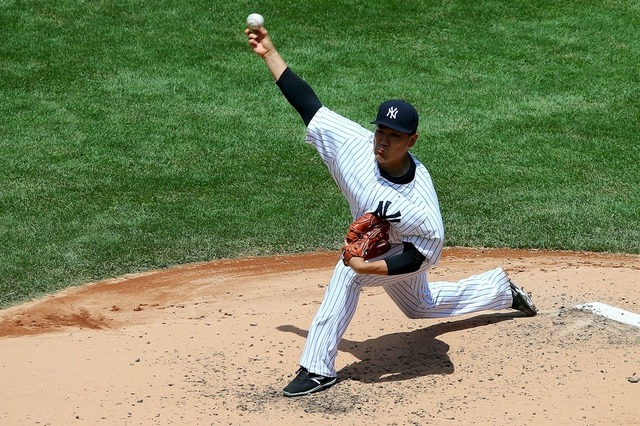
{"points": [[361, 266]]}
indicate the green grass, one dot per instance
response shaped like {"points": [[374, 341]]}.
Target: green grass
{"points": [[140, 135]]}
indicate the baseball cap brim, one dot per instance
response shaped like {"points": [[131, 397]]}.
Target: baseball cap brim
{"points": [[393, 126]]}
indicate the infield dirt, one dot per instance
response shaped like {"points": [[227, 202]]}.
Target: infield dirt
{"points": [[215, 343]]}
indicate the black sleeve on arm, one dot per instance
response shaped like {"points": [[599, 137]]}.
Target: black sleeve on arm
{"points": [[408, 261], [299, 94]]}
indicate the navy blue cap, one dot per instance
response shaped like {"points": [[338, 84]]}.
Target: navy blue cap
{"points": [[398, 115]]}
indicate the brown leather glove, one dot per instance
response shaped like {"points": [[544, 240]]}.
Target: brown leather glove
{"points": [[368, 235]]}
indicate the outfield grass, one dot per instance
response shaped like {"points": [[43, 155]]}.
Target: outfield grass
{"points": [[140, 135]]}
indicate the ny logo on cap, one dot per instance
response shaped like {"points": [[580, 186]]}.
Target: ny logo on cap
{"points": [[393, 111]]}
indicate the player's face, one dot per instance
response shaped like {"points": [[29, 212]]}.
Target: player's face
{"points": [[391, 146]]}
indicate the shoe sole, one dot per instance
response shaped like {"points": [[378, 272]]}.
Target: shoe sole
{"points": [[316, 389], [526, 305]]}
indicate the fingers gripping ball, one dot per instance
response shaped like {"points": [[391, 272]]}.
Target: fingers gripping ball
{"points": [[255, 21]]}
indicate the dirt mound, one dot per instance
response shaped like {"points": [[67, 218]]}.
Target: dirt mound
{"points": [[215, 343]]}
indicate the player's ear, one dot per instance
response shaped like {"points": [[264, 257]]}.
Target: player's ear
{"points": [[413, 139]]}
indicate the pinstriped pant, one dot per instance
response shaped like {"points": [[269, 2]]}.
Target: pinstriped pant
{"points": [[415, 297]]}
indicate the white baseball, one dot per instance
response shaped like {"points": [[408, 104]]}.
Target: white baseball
{"points": [[255, 21]]}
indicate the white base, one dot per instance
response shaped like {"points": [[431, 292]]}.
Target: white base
{"points": [[611, 312]]}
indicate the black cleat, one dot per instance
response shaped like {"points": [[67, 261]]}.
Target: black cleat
{"points": [[306, 383], [521, 301]]}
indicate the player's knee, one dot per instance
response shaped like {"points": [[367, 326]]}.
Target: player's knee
{"points": [[418, 312]]}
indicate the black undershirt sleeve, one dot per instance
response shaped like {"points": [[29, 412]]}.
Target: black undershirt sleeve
{"points": [[299, 94], [408, 261]]}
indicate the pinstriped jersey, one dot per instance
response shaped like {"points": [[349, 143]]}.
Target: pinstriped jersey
{"points": [[346, 148]]}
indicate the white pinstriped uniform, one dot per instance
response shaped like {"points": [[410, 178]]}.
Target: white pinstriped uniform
{"points": [[347, 150]]}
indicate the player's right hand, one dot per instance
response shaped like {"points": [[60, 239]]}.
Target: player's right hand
{"points": [[259, 41]]}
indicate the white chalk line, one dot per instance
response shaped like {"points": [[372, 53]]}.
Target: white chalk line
{"points": [[611, 312]]}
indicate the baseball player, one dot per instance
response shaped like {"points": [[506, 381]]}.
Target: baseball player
{"points": [[370, 167]]}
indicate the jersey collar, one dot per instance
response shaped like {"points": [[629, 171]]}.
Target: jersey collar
{"points": [[400, 180]]}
